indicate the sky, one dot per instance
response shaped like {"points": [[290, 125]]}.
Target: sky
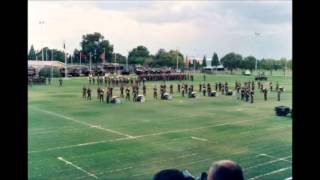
{"points": [[195, 28]]}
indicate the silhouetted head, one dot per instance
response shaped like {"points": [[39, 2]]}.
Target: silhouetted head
{"points": [[169, 174], [225, 170]]}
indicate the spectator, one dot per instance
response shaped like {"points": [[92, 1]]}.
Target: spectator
{"points": [[169, 174], [225, 170]]}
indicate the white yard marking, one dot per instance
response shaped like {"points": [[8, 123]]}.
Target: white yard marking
{"points": [[140, 136], [268, 162], [267, 155], [192, 129], [200, 139], [272, 172], [83, 123], [142, 165], [77, 145], [77, 167]]}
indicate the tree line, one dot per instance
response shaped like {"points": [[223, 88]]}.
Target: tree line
{"points": [[94, 46]]}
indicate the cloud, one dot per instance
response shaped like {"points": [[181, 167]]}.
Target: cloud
{"points": [[195, 27]]}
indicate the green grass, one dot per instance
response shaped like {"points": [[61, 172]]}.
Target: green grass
{"points": [[59, 122]]}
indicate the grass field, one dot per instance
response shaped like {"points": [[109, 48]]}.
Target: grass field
{"points": [[70, 138]]}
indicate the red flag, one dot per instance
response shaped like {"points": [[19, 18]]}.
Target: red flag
{"points": [[102, 56], [83, 56]]}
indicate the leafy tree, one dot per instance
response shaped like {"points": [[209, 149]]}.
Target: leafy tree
{"points": [[215, 60], [32, 53], [138, 55], [169, 59], [204, 61], [96, 45], [57, 54], [231, 61], [249, 63], [289, 64], [76, 56]]}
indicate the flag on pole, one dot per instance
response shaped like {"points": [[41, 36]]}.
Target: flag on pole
{"points": [[82, 55], [102, 56]]}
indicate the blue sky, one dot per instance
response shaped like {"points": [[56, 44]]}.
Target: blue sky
{"points": [[196, 28]]}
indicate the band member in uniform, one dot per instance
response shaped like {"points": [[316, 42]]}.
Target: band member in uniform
{"points": [[279, 93], [101, 95], [179, 88], [204, 91], [247, 94], [144, 89], [88, 93], [108, 95], [171, 89], [98, 92], [60, 81], [121, 90], [155, 95], [242, 93], [127, 94], [84, 92], [277, 86], [182, 91], [204, 78], [265, 91], [270, 86], [251, 96], [200, 87]]}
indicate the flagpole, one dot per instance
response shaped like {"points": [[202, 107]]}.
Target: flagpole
{"points": [[90, 62], [80, 58], [65, 61], [51, 63], [177, 60], [115, 61], [104, 55]]}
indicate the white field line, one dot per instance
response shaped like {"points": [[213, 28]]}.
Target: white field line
{"points": [[289, 178], [140, 136], [189, 163], [77, 167], [53, 130], [200, 139], [84, 123], [77, 145], [268, 162], [272, 172], [267, 155], [142, 165], [193, 129]]}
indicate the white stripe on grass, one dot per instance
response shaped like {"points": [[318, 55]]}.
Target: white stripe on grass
{"points": [[268, 162], [140, 136], [77, 167], [267, 155], [200, 139], [83, 123], [270, 173]]}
